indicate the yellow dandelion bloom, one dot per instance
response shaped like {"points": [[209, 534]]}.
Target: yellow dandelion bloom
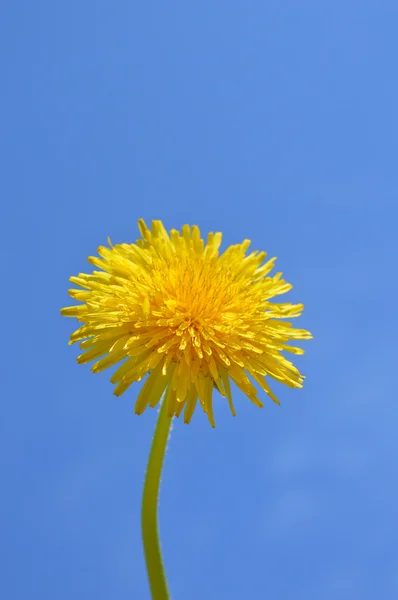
{"points": [[172, 308]]}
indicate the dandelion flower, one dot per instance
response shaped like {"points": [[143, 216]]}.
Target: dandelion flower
{"points": [[190, 319]]}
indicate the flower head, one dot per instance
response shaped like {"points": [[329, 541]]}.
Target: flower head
{"points": [[171, 308]]}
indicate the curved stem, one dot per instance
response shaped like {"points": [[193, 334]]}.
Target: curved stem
{"points": [[149, 518]]}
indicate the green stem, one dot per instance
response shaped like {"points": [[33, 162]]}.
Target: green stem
{"points": [[149, 518]]}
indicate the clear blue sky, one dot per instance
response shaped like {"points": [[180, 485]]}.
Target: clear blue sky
{"points": [[274, 121]]}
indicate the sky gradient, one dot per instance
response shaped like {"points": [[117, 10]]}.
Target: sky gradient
{"points": [[273, 121]]}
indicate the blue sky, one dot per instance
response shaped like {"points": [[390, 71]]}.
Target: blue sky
{"points": [[274, 121]]}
